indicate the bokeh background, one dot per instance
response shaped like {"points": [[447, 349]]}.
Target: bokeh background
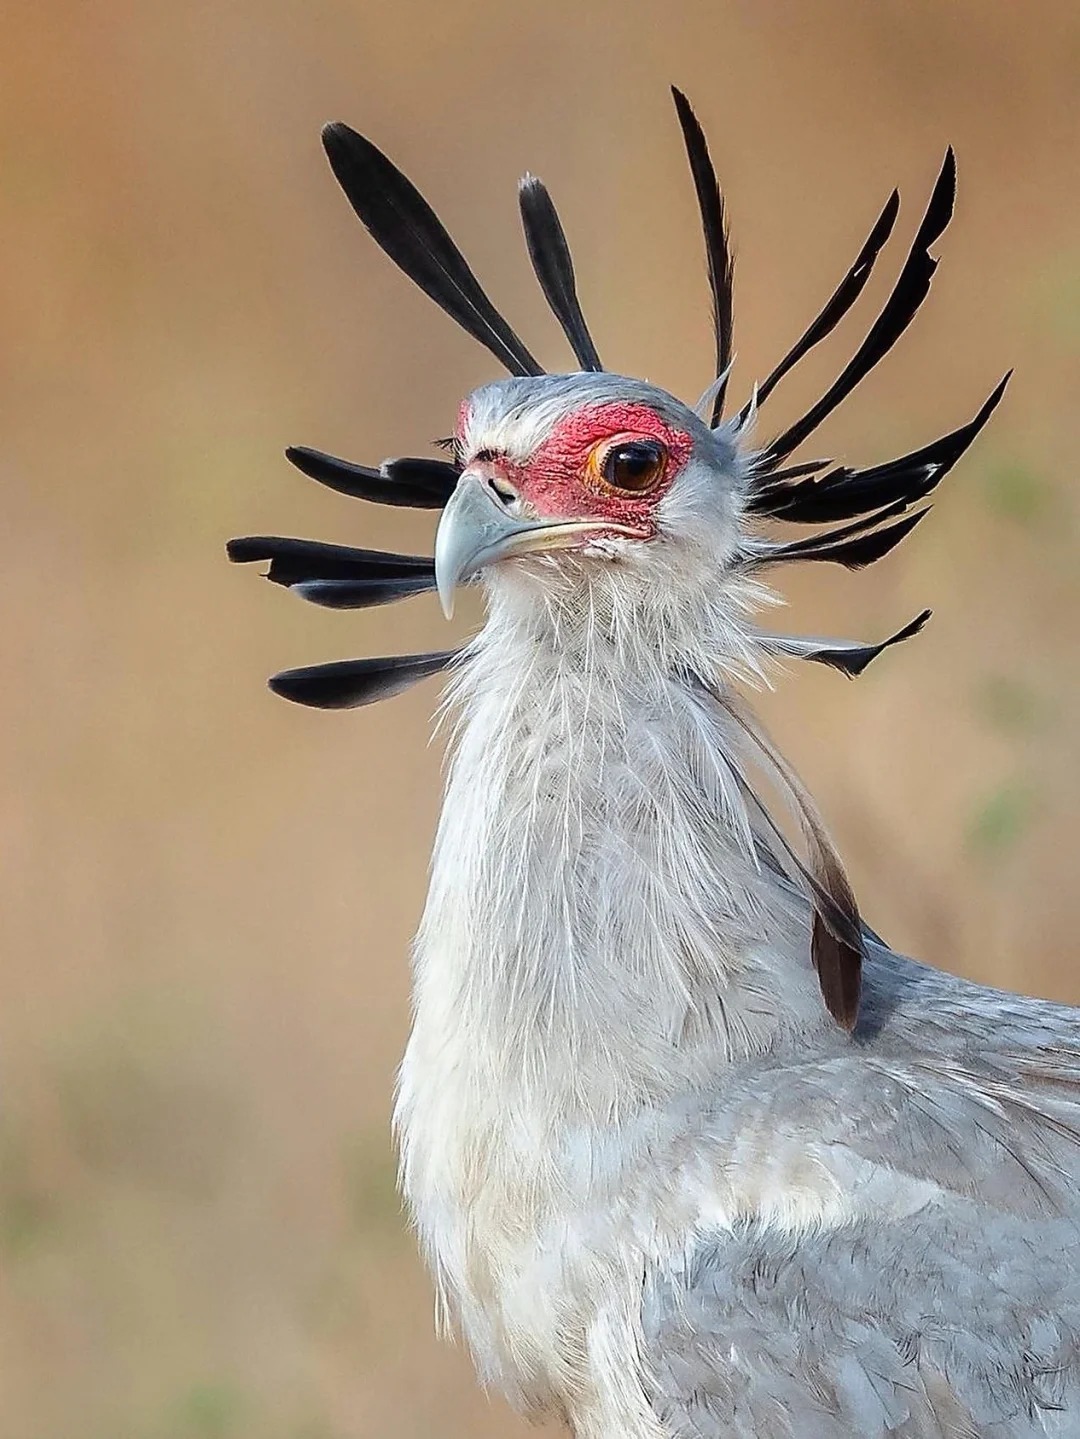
{"points": [[207, 895]]}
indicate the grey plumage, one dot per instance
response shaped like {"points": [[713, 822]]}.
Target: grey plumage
{"points": [[692, 1153], [951, 1305]]}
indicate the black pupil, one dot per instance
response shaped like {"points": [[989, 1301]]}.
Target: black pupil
{"points": [[633, 466]]}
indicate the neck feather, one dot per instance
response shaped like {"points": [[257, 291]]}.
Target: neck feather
{"points": [[597, 911]]}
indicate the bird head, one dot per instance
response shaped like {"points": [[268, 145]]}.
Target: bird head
{"points": [[595, 488], [585, 478]]}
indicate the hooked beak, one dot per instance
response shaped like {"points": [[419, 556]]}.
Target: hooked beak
{"points": [[476, 529]]}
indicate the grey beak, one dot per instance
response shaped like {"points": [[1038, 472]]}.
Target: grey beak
{"points": [[476, 529]]}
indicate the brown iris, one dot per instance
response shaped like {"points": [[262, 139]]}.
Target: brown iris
{"points": [[633, 466]]}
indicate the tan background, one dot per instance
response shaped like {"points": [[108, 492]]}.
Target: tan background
{"points": [[207, 895]]}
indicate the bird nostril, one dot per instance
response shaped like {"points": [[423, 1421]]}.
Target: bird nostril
{"points": [[505, 491]]}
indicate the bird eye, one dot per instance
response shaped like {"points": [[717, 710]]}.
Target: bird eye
{"points": [[633, 465]]}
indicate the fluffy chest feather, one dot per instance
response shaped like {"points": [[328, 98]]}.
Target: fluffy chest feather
{"points": [[596, 950]]}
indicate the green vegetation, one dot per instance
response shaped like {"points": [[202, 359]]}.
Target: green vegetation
{"points": [[1009, 705], [1014, 492], [208, 1411], [1000, 819]]}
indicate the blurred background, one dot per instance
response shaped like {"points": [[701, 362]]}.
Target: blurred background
{"points": [[207, 895]]}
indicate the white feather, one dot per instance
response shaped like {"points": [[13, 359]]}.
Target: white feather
{"points": [[599, 947]]}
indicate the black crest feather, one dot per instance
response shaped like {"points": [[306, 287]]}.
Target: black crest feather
{"points": [[405, 226], [336, 576], [855, 546], [413, 484], [848, 656], [554, 267], [718, 255], [899, 310], [348, 684], [790, 472], [841, 300], [844, 493]]}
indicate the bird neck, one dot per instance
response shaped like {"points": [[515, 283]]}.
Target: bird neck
{"points": [[597, 930]]}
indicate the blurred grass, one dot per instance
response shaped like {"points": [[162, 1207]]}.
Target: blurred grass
{"points": [[208, 897], [1014, 492], [27, 1213], [1010, 706], [1000, 819], [371, 1186], [208, 1411]]}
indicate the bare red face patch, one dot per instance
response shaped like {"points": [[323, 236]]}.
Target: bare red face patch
{"points": [[608, 462], [571, 475]]}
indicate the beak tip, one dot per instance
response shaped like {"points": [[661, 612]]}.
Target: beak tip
{"points": [[446, 580]]}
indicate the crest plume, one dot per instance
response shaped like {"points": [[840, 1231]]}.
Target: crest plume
{"points": [[403, 224], [900, 309], [413, 484], [718, 255], [550, 256]]}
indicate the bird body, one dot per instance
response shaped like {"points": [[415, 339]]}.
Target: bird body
{"points": [[691, 1152], [586, 972], [621, 1083]]}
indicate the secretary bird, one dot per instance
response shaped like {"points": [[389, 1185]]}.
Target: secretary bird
{"points": [[690, 1150]]}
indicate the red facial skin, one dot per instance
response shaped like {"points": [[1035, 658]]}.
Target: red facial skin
{"points": [[559, 484]]}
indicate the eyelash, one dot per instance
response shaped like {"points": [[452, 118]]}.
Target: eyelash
{"points": [[452, 445]]}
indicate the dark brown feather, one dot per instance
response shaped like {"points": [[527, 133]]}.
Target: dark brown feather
{"points": [[837, 939], [837, 943]]}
